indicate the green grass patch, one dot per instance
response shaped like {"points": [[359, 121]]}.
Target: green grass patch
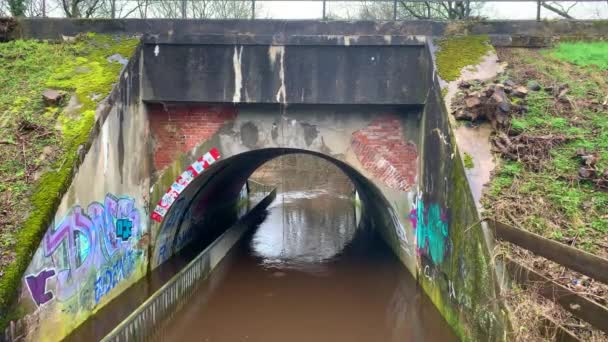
{"points": [[583, 53], [468, 161], [456, 53], [28, 67]]}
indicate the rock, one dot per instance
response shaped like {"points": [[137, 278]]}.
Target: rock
{"points": [[52, 97], [499, 97], [472, 101], [534, 86], [549, 89], [586, 173], [504, 106], [562, 93], [46, 152], [118, 58], [509, 83], [590, 159], [462, 115], [464, 85], [508, 90], [520, 92]]}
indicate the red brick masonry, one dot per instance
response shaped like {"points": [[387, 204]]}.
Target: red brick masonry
{"points": [[382, 150], [179, 128]]}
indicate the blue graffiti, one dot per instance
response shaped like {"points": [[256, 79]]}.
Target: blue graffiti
{"points": [[121, 269], [124, 228], [432, 231]]}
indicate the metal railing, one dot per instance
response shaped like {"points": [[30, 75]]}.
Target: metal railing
{"points": [[149, 317]]}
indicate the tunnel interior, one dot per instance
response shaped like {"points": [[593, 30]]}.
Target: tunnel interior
{"points": [[208, 205]]}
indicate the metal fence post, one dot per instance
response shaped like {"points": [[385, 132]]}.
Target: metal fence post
{"points": [[395, 10], [184, 9], [538, 10], [252, 9], [323, 9]]}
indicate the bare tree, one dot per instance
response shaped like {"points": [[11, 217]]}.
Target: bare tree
{"points": [[80, 8], [421, 10], [560, 9], [4, 8], [118, 8], [200, 9]]}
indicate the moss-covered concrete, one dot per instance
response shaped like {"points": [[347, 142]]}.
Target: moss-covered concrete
{"points": [[458, 52]]}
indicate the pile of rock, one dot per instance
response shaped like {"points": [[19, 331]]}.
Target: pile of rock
{"points": [[589, 171], [494, 102]]}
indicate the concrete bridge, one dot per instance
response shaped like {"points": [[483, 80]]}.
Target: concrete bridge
{"points": [[201, 105]]}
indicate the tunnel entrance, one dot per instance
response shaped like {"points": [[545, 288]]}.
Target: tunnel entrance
{"points": [[311, 269]]}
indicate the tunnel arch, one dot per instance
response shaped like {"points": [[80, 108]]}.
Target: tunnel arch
{"points": [[223, 181]]}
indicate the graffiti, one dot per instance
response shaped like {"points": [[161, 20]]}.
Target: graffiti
{"points": [[182, 182], [111, 276], [82, 243], [432, 233], [37, 286], [124, 228]]}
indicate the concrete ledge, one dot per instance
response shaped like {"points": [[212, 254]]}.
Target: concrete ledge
{"points": [[177, 31], [148, 318]]}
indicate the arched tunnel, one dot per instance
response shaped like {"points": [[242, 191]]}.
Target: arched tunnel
{"points": [[363, 262], [210, 199]]}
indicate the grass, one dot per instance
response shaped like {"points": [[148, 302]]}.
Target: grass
{"points": [[40, 143], [456, 53], [553, 202], [583, 53], [468, 161]]}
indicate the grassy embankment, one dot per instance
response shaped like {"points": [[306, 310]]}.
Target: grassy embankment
{"points": [[38, 143]]}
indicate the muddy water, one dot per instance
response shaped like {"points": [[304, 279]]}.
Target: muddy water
{"points": [[308, 272]]}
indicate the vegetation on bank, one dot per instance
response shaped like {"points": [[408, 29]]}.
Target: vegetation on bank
{"points": [[562, 195], [585, 54], [553, 198], [39, 142], [458, 52]]}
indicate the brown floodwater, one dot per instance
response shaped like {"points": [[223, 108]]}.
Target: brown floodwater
{"points": [[308, 272]]}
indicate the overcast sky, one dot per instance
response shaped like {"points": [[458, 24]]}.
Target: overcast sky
{"points": [[495, 10], [349, 10]]}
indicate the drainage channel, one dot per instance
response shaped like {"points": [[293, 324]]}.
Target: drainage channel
{"points": [[308, 272]]}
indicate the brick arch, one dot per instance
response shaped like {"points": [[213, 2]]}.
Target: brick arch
{"points": [[223, 181]]}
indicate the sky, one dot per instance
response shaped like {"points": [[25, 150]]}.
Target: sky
{"points": [[349, 10], [494, 10]]}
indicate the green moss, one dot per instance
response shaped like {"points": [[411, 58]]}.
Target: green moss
{"points": [[80, 68], [468, 161], [456, 53]]}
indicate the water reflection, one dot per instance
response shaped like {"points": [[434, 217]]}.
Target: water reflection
{"points": [[304, 227]]}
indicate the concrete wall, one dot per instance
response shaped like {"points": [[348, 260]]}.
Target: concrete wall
{"points": [[454, 265], [401, 159], [284, 74], [97, 244], [374, 145]]}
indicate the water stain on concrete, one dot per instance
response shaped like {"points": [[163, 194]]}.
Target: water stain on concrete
{"points": [[249, 134], [310, 132]]}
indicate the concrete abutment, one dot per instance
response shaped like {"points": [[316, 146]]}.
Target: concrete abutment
{"points": [[214, 100]]}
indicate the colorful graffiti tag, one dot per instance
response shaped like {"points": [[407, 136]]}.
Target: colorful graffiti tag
{"points": [[182, 182], [100, 242], [432, 231]]}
